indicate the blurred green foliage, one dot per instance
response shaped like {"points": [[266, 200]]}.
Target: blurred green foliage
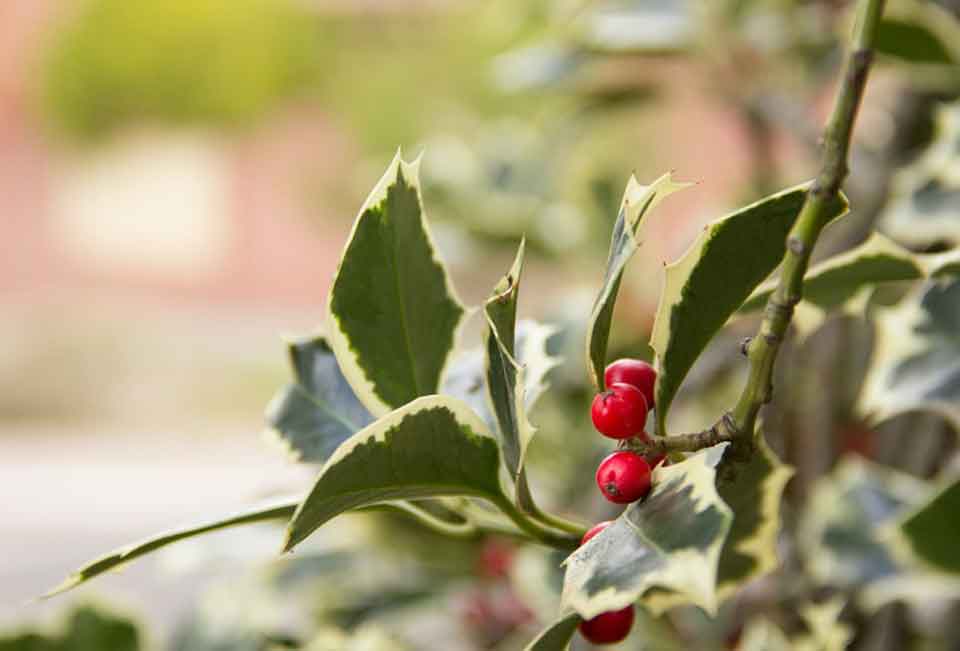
{"points": [[87, 629], [174, 61]]}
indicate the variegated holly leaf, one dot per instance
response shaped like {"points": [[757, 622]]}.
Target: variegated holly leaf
{"points": [[713, 279], [672, 540], [392, 313], [930, 531], [825, 631], [466, 376], [918, 33], [276, 510], [916, 356], [754, 494], [557, 636], [878, 260], [924, 206], [504, 374], [638, 202], [318, 411], [840, 534], [434, 446]]}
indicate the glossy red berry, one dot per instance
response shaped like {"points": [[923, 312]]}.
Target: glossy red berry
{"points": [[624, 477], [619, 412], [635, 372], [607, 628], [594, 530]]}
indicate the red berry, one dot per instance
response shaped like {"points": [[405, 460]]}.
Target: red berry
{"points": [[607, 628], [635, 372], [495, 559], [624, 477], [594, 530], [619, 412]]}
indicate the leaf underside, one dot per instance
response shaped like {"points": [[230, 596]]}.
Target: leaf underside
{"points": [[318, 411], [392, 313], [713, 279]]}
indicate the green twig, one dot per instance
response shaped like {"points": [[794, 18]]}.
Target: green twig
{"points": [[534, 529], [738, 425], [814, 215]]}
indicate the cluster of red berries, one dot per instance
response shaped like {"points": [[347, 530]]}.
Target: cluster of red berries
{"points": [[620, 413]]}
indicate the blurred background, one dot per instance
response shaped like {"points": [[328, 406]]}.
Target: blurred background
{"points": [[178, 178]]}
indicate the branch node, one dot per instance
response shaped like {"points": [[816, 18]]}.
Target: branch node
{"points": [[796, 245], [745, 346]]}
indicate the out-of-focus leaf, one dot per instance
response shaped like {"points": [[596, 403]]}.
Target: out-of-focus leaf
{"points": [[365, 639], [638, 202], [825, 631], [280, 509], [318, 411], [931, 531], [763, 635], [839, 533], [644, 27], [916, 357], [713, 279], [392, 313], [754, 496], [918, 32], [557, 636], [924, 207], [536, 67], [434, 446], [671, 540], [836, 280], [87, 629]]}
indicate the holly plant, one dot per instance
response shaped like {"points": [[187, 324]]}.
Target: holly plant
{"points": [[398, 419]]}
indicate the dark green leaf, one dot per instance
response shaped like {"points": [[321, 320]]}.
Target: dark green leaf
{"points": [[557, 636], [392, 313], [713, 279], [911, 41], [87, 629], [434, 446], [275, 510], [671, 540], [318, 410], [932, 531], [754, 495], [638, 202]]}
